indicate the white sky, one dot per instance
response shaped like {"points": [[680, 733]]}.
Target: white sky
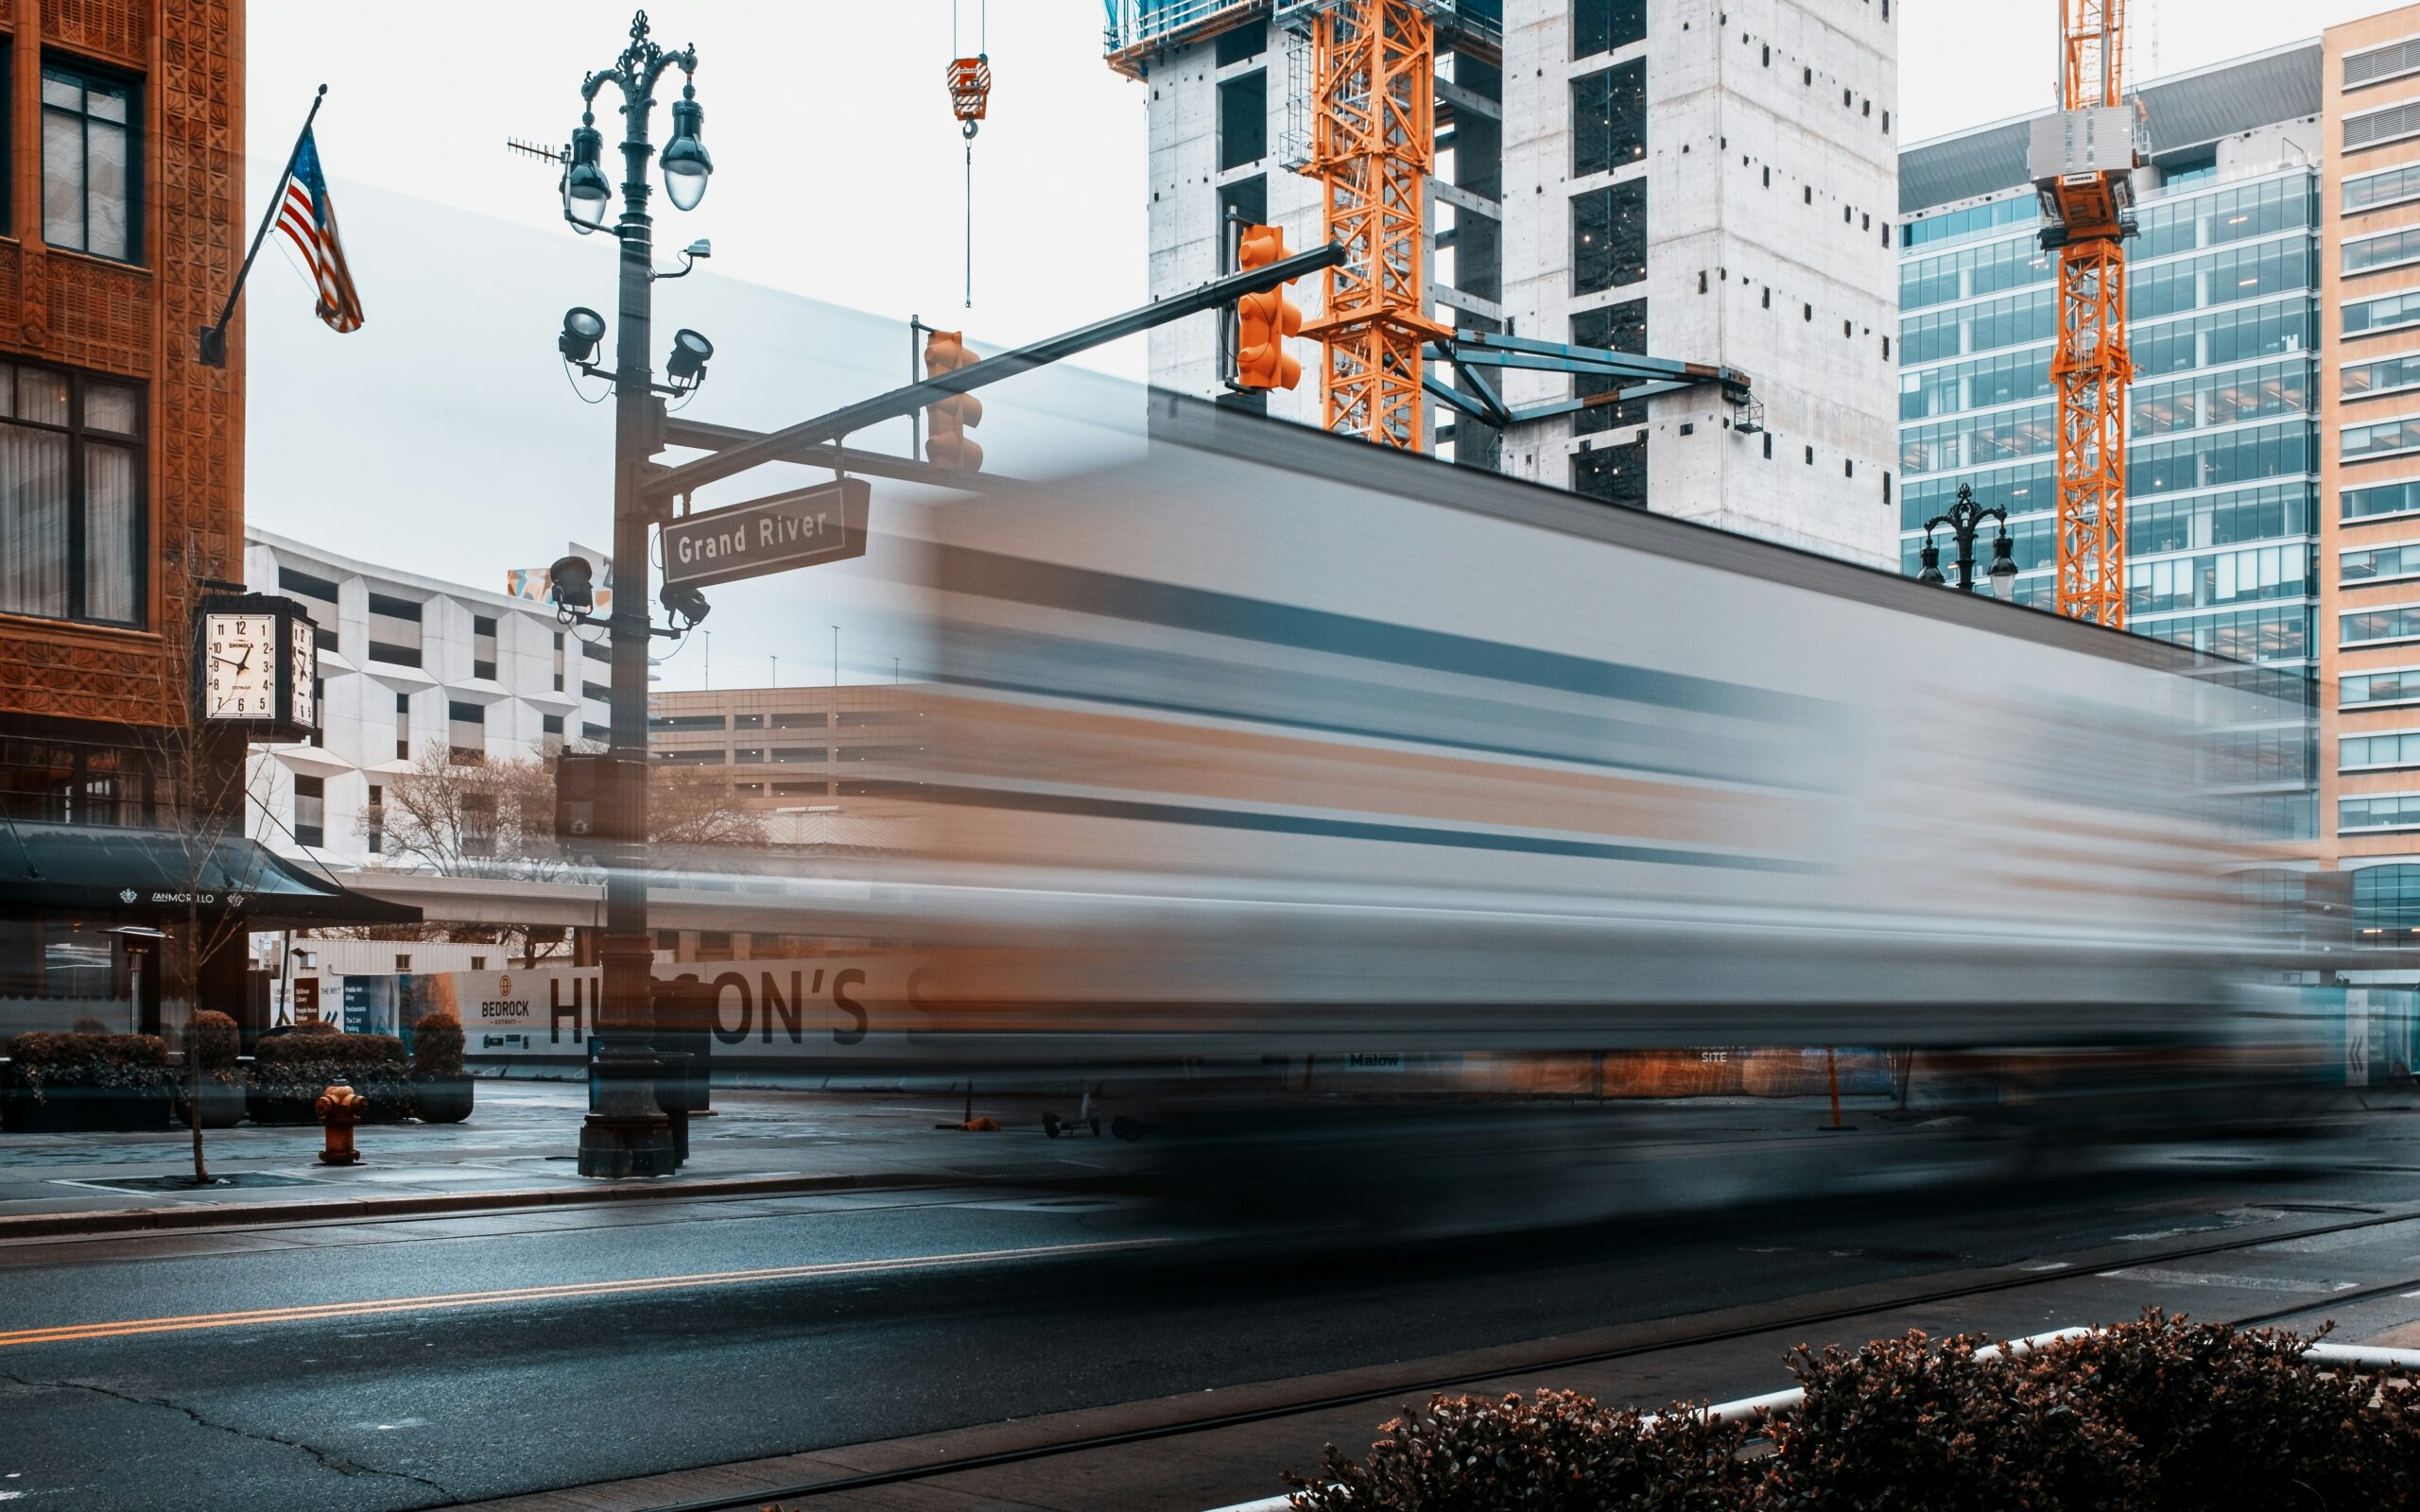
{"points": [[441, 439]]}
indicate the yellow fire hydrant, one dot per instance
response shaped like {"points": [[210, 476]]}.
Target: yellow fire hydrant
{"points": [[340, 1108]]}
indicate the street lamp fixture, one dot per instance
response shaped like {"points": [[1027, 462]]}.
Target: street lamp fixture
{"points": [[1965, 518], [686, 367], [583, 328], [685, 602], [574, 585], [587, 193], [686, 164]]}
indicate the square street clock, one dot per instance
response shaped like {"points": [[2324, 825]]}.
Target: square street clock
{"points": [[256, 662]]}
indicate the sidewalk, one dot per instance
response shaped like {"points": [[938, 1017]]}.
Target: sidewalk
{"points": [[519, 1148]]}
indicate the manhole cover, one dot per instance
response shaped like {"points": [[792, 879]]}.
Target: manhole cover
{"points": [[184, 1183]]}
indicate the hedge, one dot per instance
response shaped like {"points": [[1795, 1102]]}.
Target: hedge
{"points": [[130, 1062], [2162, 1415]]}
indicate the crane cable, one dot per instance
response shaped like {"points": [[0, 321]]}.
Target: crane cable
{"points": [[970, 91]]}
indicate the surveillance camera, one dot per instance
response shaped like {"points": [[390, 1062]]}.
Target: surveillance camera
{"points": [[701, 247]]}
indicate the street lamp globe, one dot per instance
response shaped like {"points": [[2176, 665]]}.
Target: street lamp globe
{"points": [[1931, 559], [2003, 572], [588, 195], [686, 163]]}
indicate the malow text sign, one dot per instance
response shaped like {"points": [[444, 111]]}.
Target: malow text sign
{"points": [[827, 522]]}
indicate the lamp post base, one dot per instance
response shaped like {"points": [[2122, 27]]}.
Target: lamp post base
{"points": [[612, 1147], [626, 1133]]}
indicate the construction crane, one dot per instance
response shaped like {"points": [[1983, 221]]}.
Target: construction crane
{"points": [[2082, 161], [1369, 84]]}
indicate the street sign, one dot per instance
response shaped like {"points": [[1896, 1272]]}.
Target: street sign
{"points": [[827, 522]]}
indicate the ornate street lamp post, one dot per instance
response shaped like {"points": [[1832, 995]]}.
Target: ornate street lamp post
{"points": [[627, 1133], [1964, 519]]}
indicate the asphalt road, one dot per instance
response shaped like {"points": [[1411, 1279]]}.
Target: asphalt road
{"points": [[416, 1362]]}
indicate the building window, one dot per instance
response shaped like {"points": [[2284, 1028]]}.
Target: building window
{"points": [[550, 733], [1613, 327], [402, 726], [376, 822], [747, 721], [795, 721], [402, 963], [597, 691], [318, 595], [479, 963], [714, 945], [1609, 237], [559, 661], [1602, 25], [1247, 201], [466, 734], [478, 824], [71, 532], [2386, 901], [1615, 475], [685, 722], [394, 629], [749, 755], [483, 648], [2360, 752], [794, 755], [1609, 118], [310, 811], [691, 758], [92, 182], [1243, 119], [1237, 43], [798, 790]]}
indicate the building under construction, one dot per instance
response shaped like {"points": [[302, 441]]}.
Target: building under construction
{"points": [[1530, 190]]}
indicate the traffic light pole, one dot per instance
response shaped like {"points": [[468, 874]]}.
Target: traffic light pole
{"points": [[626, 1132], [799, 442]]}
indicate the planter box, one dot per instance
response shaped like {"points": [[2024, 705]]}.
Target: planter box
{"points": [[222, 1105], [441, 1099], [86, 1110], [291, 1103]]}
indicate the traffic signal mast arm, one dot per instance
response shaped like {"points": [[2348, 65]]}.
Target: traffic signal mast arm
{"points": [[1470, 350], [804, 441]]}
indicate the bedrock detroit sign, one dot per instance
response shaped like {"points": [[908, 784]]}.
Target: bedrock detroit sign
{"points": [[827, 522]]}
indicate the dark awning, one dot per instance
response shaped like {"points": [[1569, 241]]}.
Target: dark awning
{"points": [[151, 873]]}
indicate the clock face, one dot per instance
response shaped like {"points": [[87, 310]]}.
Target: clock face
{"points": [[305, 669], [240, 678]]}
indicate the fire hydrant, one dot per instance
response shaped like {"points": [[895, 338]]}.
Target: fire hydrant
{"points": [[340, 1108]]}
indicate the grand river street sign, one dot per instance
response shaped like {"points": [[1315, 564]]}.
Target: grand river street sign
{"points": [[827, 522]]}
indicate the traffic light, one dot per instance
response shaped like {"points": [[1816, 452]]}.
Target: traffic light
{"points": [[1263, 320], [948, 445]]}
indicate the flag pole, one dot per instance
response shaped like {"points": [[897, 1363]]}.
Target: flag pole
{"points": [[212, 344]]}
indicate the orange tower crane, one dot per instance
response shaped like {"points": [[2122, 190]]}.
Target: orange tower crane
{"points": [[2082, 163], [1372, 96]]}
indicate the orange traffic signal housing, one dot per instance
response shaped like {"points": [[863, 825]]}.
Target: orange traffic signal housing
{"points": [[1263, 320], [948, 445]]}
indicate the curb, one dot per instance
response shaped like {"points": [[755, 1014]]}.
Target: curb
{"points": [[352, 1209]]}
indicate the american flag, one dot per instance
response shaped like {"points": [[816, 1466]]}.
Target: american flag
{"points": [[308, 220]]}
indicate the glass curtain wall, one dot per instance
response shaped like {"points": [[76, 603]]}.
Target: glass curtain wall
{"points": [[2223, 444]]}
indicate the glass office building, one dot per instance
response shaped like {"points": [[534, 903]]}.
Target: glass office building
{"points": [[2222, 443]]}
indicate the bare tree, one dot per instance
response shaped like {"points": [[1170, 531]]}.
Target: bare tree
{"points": [[208, 783], [492, 817]]}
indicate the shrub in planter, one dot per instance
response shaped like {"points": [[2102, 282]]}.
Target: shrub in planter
{"points": [[289, 1072], [59, 1082], [212, 1040], [1560, 1452], [2224, 1416], [441, 1092], [1920, 1424]]}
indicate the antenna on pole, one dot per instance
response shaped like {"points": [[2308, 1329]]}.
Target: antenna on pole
{"points": [[559, 156]]}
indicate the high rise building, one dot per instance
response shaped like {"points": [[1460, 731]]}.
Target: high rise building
{"points": [[1712, 185], [2369, 399], [2225, 302]]}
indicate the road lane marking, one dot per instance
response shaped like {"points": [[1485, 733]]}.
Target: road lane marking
{"points": [[74, 1333]]}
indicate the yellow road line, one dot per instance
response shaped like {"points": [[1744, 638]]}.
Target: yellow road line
{"points": [[73, 1332]]}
